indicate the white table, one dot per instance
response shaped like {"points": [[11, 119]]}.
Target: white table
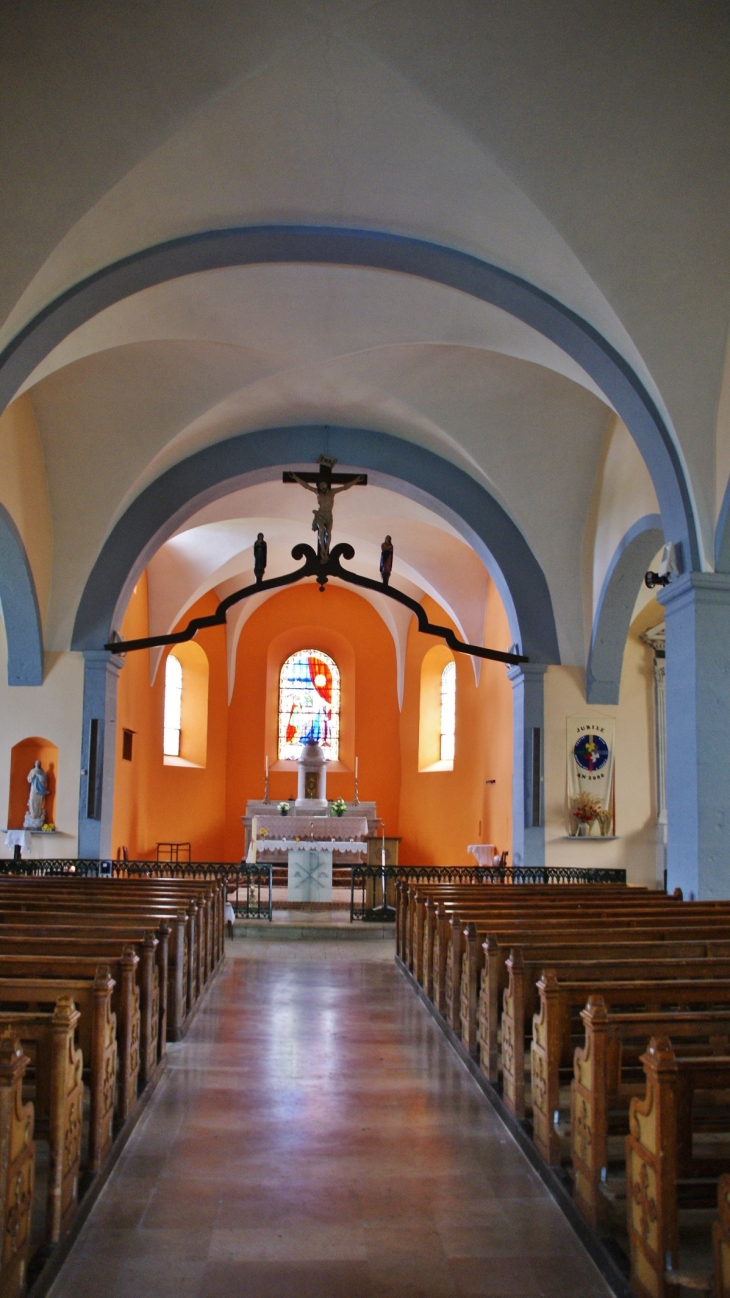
{"points": [[484, 852], [19, 838]]}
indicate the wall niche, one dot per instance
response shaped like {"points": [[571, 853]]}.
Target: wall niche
{"points": [[23, 755]]}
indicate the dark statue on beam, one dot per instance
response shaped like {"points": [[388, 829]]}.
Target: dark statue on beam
{"points": [[322, 565]]}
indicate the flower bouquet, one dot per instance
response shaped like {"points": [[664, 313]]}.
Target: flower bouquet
{"points": [[283, 808], [585, 810], [338, 807]]}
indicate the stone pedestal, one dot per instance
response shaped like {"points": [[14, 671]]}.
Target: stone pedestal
{"points": [[312, 779], [310, 875]]}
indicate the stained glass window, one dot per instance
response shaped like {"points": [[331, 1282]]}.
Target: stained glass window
{"points": [[309, 704], [448, 712], [173, 707]]}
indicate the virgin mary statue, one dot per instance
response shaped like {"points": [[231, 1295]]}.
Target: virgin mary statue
{"points": [[35, 815]]}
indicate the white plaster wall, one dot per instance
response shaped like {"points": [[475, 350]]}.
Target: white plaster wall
{"points": [[626, 494], [635, 848], [24, 491], [52, 710]]}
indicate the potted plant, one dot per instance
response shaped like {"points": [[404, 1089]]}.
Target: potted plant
{"points": [[283, 808], [338, 807]]}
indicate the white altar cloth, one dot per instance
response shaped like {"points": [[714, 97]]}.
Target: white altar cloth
{"points": [[484, 852], [310, 827], [19, 838], [289, 845]]}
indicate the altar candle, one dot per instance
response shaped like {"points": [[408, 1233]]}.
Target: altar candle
{"points": [[356, 767], [266, 766]]}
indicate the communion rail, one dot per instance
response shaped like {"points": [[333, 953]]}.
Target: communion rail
{"points": [[372, 887], [249, 886]]}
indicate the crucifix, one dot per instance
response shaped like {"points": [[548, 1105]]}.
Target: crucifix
{"points": [[322, 485]]}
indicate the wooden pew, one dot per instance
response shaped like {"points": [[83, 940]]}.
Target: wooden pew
{"points": [[97, 1039], [106, 944], [58, 1102], [532, 959], [173, 933], [137, 982], [661, 1167], [552, 1041], [521, 996], [17, 1169], [605, 1080], [125, 1005], [202, 899], [477, 959], [409, 898]]}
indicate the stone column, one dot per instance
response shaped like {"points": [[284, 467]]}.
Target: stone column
{"points": [[98, 753], [528, 815], [697, 619]]}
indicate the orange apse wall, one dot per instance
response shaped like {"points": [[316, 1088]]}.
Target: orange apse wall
{"points": [[347, 627], [442, 812], [154, 802]]}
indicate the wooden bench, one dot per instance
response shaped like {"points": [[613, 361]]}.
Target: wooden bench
{"points": [[97, 1039], [125, 1004], [173, 933], [605, 1072], [661, 1167], [134, 969], [58, 1101], [459, 967], [552, 1034], [17, 1169], [107, 944], [529, 962], [203, 902]]}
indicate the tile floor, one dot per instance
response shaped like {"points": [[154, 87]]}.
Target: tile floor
{"points": [[314, 1137]]}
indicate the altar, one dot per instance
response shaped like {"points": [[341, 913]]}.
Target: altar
{"points": [[306, 836], [308, 845]]}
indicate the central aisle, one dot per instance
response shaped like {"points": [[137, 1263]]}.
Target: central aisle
{"points": [[315, 1137]]}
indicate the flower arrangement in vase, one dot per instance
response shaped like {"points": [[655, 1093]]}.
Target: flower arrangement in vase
{"points": [[338, 807], [585, 810], [284, 808]]}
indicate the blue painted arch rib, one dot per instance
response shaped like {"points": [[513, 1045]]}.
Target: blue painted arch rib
{"points": [[616, 601], [19, 605], [216, 249], [260, 456]]}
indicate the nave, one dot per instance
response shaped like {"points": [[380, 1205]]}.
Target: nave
{"points": [[314, 1135]]}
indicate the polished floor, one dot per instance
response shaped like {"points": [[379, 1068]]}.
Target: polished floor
{"points": [[314, 1137]]}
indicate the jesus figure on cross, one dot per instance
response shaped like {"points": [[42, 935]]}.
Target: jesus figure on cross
{"points": [[322, 515]]}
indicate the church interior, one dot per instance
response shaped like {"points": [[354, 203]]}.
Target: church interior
{"points": [[365, 649]]}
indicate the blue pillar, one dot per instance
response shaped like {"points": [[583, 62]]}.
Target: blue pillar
{"points": [[98, 753], [697, 612], [528, 818]]}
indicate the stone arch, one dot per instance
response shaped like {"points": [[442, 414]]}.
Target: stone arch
{"points": [[216, 249], [255, 457], [630, 561], [19, 604]]}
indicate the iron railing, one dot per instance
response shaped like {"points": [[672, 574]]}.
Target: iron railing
{"points": [[372, 887], [249, 886]]}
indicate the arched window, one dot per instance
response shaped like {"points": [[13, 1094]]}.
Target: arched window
{"points": [[173, 706], [437, 720], [185, 725], [309, 704], [448, 713]]}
